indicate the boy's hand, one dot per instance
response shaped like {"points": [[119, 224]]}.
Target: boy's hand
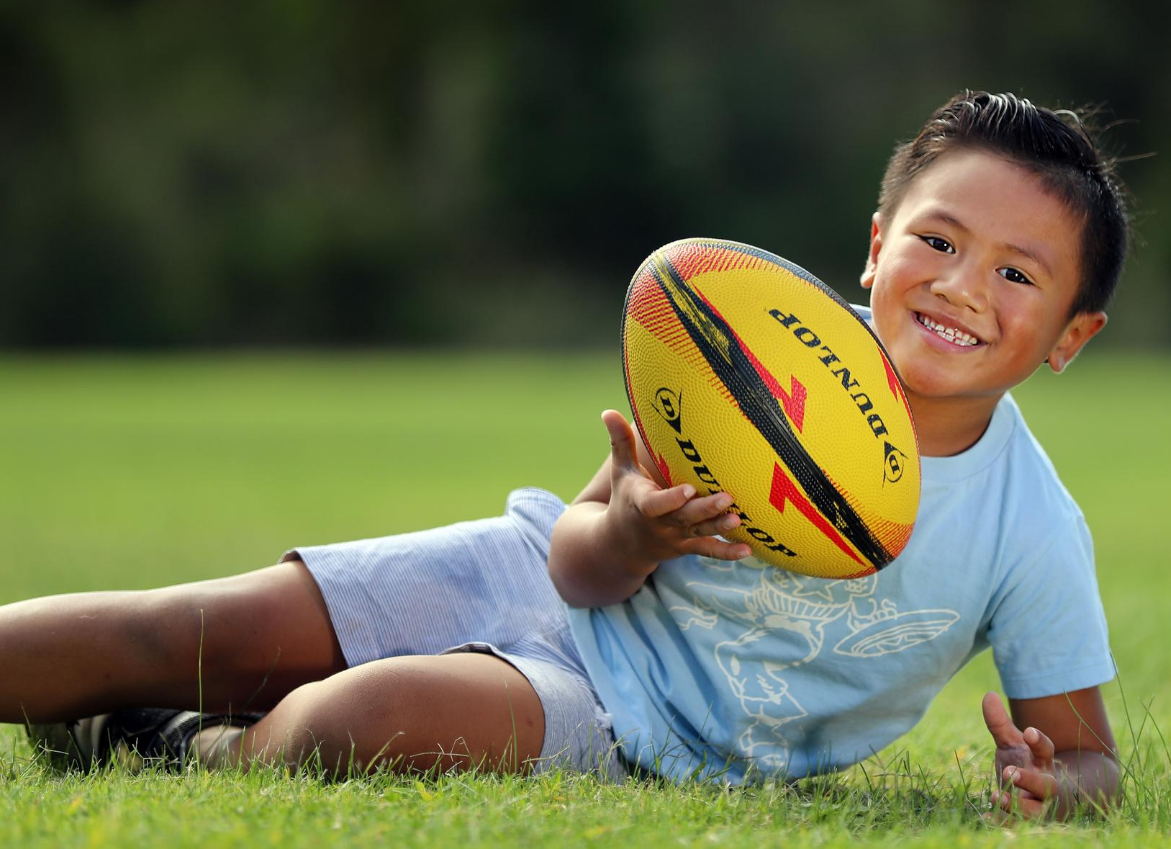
{"points": [[1026, 777], [656, 524]]}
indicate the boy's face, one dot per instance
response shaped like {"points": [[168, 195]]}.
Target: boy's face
{"points": [[973, 278]]}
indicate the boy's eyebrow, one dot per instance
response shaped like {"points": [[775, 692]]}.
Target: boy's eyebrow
{"points": [[947, 218]]}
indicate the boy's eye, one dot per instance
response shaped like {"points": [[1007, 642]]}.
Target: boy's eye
{"points": [[941, 245], [1013, 275]]}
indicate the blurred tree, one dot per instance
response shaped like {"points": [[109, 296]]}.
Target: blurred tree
{"points": [[425, 173]]}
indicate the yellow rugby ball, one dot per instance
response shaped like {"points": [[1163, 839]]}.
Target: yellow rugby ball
{"points": [[748, 375]]}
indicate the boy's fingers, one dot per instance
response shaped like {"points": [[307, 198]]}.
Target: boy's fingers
{"points": [[1017, 806], [1034, 784], [622, 451], [1032, 795], [718, 549], [1004, 733], [700, 511], [1031, 809], [1041, 747], [721, 524], [997, 818], [655, 502]]}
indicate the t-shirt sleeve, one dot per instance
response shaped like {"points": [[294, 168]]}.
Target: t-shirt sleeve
{"points": [[1047, 628]]}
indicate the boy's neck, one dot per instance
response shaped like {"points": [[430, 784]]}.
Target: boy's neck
{"points": [[949, 426]]}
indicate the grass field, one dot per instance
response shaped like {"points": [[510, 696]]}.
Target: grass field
{"points": [[139, 472]]}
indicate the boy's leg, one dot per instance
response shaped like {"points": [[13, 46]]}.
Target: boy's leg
{"points": [[228, 645], [407, 713]]}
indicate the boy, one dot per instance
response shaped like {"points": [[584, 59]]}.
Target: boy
{"points": [[998, 241]]}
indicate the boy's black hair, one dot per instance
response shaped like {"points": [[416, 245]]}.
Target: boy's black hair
{"points": [[1056, 147]]}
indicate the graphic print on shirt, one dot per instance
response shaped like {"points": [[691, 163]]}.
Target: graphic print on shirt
{"points": [[865, 627]]}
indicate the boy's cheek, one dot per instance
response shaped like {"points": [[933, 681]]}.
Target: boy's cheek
{"points": [[883, 303]]}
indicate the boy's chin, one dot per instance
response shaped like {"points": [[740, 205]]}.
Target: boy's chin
{"points": [[940, 388]]}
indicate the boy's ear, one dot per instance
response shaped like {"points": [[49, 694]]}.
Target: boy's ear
{"points": [[867, 279], [1081, 329]]}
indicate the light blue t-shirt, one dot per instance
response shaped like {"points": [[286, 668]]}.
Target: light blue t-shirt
{"points": [[742, 669]]}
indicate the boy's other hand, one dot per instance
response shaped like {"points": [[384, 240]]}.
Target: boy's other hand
{"points": [[663, 523], [1025, 772]]}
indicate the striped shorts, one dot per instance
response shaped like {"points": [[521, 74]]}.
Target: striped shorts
{"points": [[473, 586]]}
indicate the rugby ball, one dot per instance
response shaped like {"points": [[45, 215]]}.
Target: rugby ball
{"points": [[748, 375]]}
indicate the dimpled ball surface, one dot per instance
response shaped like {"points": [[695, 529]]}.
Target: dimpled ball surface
{"points": [[748, 375]]}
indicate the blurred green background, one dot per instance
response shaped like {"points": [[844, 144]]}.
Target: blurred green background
{"points": [[312, 173]]}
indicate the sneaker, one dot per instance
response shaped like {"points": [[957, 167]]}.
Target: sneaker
{"points": [[132, 738]]}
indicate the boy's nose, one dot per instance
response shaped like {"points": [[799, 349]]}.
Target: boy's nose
{"points": [[961, 288]]}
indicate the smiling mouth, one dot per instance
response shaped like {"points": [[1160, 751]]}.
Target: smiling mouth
{"points": [[950, 334]]}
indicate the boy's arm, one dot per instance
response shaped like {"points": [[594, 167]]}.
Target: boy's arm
{"points": [[626, 521], [1064, 758]]}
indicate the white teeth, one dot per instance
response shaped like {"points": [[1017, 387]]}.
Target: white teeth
{"points": [[951, 334]]}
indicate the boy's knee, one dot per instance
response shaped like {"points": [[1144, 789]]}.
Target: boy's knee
{"points": [[366, 717], [353, 707], [406, 714], [325, 723]]}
